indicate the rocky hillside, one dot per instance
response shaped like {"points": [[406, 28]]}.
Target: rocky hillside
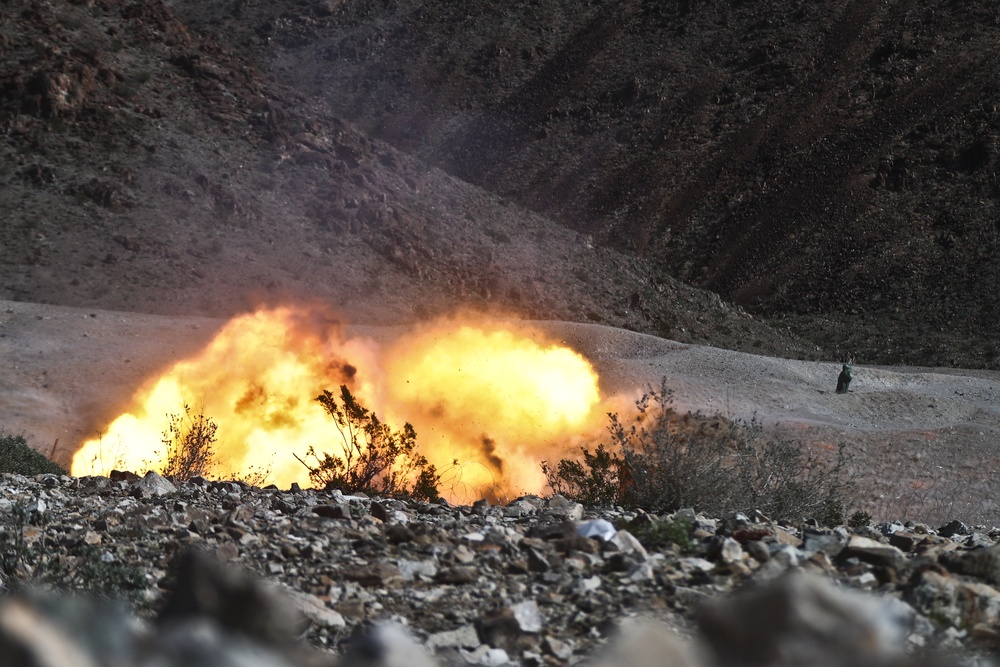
{"points": [[830, 166], [535, 582], [149, 165]]}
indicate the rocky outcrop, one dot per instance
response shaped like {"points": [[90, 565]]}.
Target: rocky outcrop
{"points": [[538, 581]]}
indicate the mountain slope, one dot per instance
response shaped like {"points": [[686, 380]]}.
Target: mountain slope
{"points": [[147, 165], [830, 166]]}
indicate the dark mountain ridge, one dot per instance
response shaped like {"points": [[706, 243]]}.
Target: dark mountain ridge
{"points": [[829, 166], [149, 165], [828, 170]]}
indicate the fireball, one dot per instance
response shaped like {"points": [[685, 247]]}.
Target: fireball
{"points": [[490, 399], [491, 403]]}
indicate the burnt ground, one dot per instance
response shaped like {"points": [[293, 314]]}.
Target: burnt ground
{"points": [[828, 167]]}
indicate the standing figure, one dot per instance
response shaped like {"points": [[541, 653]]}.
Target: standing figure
{"points": [[844, 379]]}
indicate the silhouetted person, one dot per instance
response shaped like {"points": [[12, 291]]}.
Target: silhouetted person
{"points": [[844, 380]]}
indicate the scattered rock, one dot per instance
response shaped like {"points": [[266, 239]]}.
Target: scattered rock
{"points": [[384, 645], [510, 626], [872, 551], [962, 603], [240, 603], [153, 485], [463, 637], [983, 563], [553, 594], [766, 626], [953, 528], [333, 511], [598, 528], [647, 644], [376, 574], [315, 609], [830, 542], [905, 541], [726, 550], [459, 574], [627, 543]]}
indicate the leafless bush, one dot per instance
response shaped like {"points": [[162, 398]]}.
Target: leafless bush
{"points": [[936, 497], [600, 478], [190, 441], [375, 458], [463, 492], [108, 457], [257, 476], [783, 480], [663, 460]]}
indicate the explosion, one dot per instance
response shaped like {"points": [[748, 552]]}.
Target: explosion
{"points": [[489, 400]]}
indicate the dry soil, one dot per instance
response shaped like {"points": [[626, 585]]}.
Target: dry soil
{"points": [[925, 442]]}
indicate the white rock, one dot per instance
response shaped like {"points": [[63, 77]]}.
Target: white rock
{"points": [[629, 544], [642, 643], [463, 637], [495, 657], [393, 646], [694, 563], [641, 572], [527, 615], [314, 609], [773, 620], [153, 485], [412, 569], [596, 528], [589, 584], [35, 505], [730, 551]]}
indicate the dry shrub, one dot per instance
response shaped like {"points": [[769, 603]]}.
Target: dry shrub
{"points": [[598, 479], [17, 456], [376, 459], [190, 441], [663, 460]]}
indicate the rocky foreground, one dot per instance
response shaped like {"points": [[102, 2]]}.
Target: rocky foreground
{"points": [[222, 573]]}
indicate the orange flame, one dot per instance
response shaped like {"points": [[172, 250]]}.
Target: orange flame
{"points": [[489, 400]]}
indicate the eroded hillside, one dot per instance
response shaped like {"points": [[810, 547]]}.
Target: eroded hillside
{"points": [[830, 166], [150, 165]]}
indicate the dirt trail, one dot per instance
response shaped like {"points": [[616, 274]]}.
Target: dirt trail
{"points": [[926, 440]]}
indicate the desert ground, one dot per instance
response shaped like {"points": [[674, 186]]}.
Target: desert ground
{"points": [[925, 441]]}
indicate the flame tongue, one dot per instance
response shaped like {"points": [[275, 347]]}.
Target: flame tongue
{"points": [[256, 380], [487, 400], [493, 402]]}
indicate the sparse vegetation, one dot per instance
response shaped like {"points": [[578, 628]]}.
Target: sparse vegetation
{"points": [[664, 460], [596, 480], [108, 457], [663, 532], [859, 519], [462, 492], [190, 441], [254, 475], [38, 564], [17, 456], [375, 458]]}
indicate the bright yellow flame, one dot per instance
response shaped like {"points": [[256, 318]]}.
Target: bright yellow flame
{"points": [[489, 400], [493, 400]]}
